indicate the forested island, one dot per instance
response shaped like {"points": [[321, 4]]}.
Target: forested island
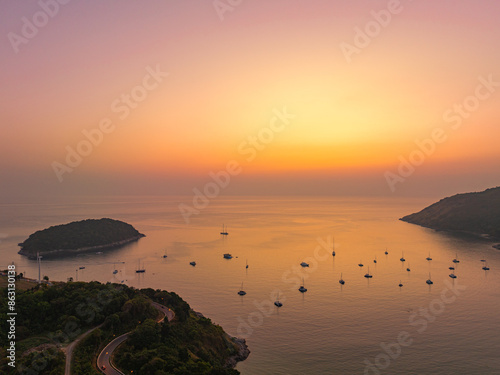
{"points": [[50, 317], [79, 236], [474, 213]]}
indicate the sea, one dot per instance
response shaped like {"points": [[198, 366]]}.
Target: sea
{"points": [[366, 326]]}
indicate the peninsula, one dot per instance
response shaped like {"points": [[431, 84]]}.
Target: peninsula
{"points": [[473, 213], [79, 236]]}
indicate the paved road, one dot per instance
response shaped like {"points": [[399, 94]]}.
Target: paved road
{"points": [[71, 347], [105, 356]]}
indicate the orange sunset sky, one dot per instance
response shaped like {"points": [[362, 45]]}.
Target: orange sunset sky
{"points": [[228, 70]]}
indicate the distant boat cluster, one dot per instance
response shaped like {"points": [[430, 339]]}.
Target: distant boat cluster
{"points": [[408, 269]]}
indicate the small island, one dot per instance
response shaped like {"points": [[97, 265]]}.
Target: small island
{"points": [[79, 236], [472, 213]]}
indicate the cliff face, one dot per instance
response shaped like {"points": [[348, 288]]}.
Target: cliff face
{"points": [[477, 213], [79, 236]]}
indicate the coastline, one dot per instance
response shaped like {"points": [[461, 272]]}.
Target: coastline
{"points": [[50, 253], [479, 236]]}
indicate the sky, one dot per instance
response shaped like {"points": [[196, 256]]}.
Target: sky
{"points": [[316, 97]]}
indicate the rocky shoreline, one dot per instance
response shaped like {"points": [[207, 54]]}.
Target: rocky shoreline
{"points": [[243, 352], [80, 250]]}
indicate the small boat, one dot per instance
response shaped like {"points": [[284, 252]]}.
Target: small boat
{"points": [[224, 231], [386, 252], [452, 275], [408, 268], [115, 272], [304, 264], [227, 256], [429, 257], [456, 259], [367, 275], [360, 264], [402, 259], [429, 281], [139, 269], [341, 281], [400, 284], [302, 289], [81, 267], [277, 303], [333, 248], [192, 263], [242, 292], [375, 260], [165, 255], [483, 260], [246, 264], [451, 268], [486, 268]]}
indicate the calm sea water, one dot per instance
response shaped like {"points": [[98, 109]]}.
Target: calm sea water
{"points": [[452, 326]]}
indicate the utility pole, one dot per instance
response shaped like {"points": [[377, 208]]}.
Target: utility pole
{"points": [[39, 259]]}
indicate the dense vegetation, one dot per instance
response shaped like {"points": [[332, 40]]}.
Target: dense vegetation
{"points": [[50, 317], [189, 345], [78, 235], [477, 213]]}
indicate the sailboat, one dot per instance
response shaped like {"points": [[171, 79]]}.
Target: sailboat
{"points": [[386, 252], [367, 275], [408, 268], [360, 264], [400, 284], [224, 231], [302, 289], [341, 281], [333, 248], [486, 268], [402, 259], [452, 275], [277, 303], [451, 268], [429, 281], [242, 292], [115, 271], [429, 257], [375, 260], [165, 255], [139, 269], [246, 264], [456, 259]]}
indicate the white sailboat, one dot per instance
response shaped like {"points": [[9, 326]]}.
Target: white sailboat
{"points": [[277, 303], [139, 269], [302, 289], [341, 281], [242, 292]]}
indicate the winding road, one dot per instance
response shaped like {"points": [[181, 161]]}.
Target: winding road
{"points": [[104, 359], [69, 350]]}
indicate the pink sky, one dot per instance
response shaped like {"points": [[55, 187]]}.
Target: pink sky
{"points": [[226, 77]]}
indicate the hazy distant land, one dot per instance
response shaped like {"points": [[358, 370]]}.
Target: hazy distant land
{"points": [[79, 236], [473, 213]]}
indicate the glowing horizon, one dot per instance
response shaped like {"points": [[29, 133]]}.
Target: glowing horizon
{"points": [[226, 78]]}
